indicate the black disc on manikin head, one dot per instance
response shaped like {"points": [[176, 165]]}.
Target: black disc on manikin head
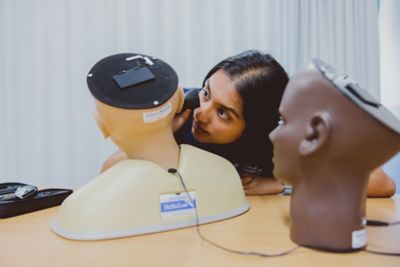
{"points": [[132, 81]]}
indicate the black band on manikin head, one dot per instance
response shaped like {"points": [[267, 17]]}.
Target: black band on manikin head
{"points": [[132, 81]]}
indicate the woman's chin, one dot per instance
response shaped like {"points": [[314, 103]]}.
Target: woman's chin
{"points": [[198, 136]]}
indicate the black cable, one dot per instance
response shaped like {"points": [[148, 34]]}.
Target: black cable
{"points": [[252, 253], [378, 224], [382, 253], [381, 223]]}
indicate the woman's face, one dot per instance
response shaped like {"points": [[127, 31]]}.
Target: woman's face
{"points": [[219, 119]]}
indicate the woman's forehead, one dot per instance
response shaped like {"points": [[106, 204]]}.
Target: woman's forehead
{"points": [[223, 91]]}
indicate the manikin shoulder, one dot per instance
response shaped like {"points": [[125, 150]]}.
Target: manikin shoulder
{"points": [[125, 199]]}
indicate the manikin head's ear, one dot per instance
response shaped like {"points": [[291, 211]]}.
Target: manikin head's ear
{"points": [[101, 125], [318, 130], [181, 99]]}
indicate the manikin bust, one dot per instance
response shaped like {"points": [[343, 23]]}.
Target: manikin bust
{"points": [[332, 134], [136, 99]]}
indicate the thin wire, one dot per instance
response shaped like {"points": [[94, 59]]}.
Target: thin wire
{"points": [[375, 223], [381, 223], [382, 253], [252, 253]]}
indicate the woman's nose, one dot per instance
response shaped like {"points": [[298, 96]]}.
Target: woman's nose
{"points": [[202, 113]]}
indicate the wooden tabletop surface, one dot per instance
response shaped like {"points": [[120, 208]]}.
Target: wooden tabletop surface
{"points": [[27, 240]]}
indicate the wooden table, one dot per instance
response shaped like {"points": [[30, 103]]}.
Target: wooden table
{"points": [[27, 240]]}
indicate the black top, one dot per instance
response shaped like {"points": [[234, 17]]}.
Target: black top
{"points": [[249, 156]]}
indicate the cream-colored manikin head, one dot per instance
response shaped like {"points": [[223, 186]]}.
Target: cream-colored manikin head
{"points": [[143, 133], [121, 124], [139, 195]]}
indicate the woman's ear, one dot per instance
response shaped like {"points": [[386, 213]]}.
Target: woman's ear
{"points": [[181, 99], [318, 130]]}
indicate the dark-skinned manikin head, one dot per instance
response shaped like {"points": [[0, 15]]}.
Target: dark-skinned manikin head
{"points": [[331, 135]]}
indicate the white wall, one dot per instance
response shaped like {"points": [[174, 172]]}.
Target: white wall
{"points": [[389, 34], [48, 135]]}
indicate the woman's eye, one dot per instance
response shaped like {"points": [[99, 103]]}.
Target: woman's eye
{"points": [[223, 114], [204, 93]]}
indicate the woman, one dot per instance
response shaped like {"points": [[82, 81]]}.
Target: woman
{"points": [[238, 109]]}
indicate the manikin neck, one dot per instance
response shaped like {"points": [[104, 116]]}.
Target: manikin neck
{"points": [[325, 211], [160, 148]]}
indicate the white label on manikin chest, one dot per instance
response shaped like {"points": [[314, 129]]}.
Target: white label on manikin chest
{"points": [[156, 115], [359, 238], [177, 205]]}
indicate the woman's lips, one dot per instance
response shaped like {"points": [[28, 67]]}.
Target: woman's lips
{"points": [[198, 129]]}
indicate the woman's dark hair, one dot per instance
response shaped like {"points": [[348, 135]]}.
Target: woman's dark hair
{"points": [[261, 81]]}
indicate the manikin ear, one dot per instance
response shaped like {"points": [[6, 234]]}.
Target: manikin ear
{"points": [[318, 130], [101, 125], [181, 99]]}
